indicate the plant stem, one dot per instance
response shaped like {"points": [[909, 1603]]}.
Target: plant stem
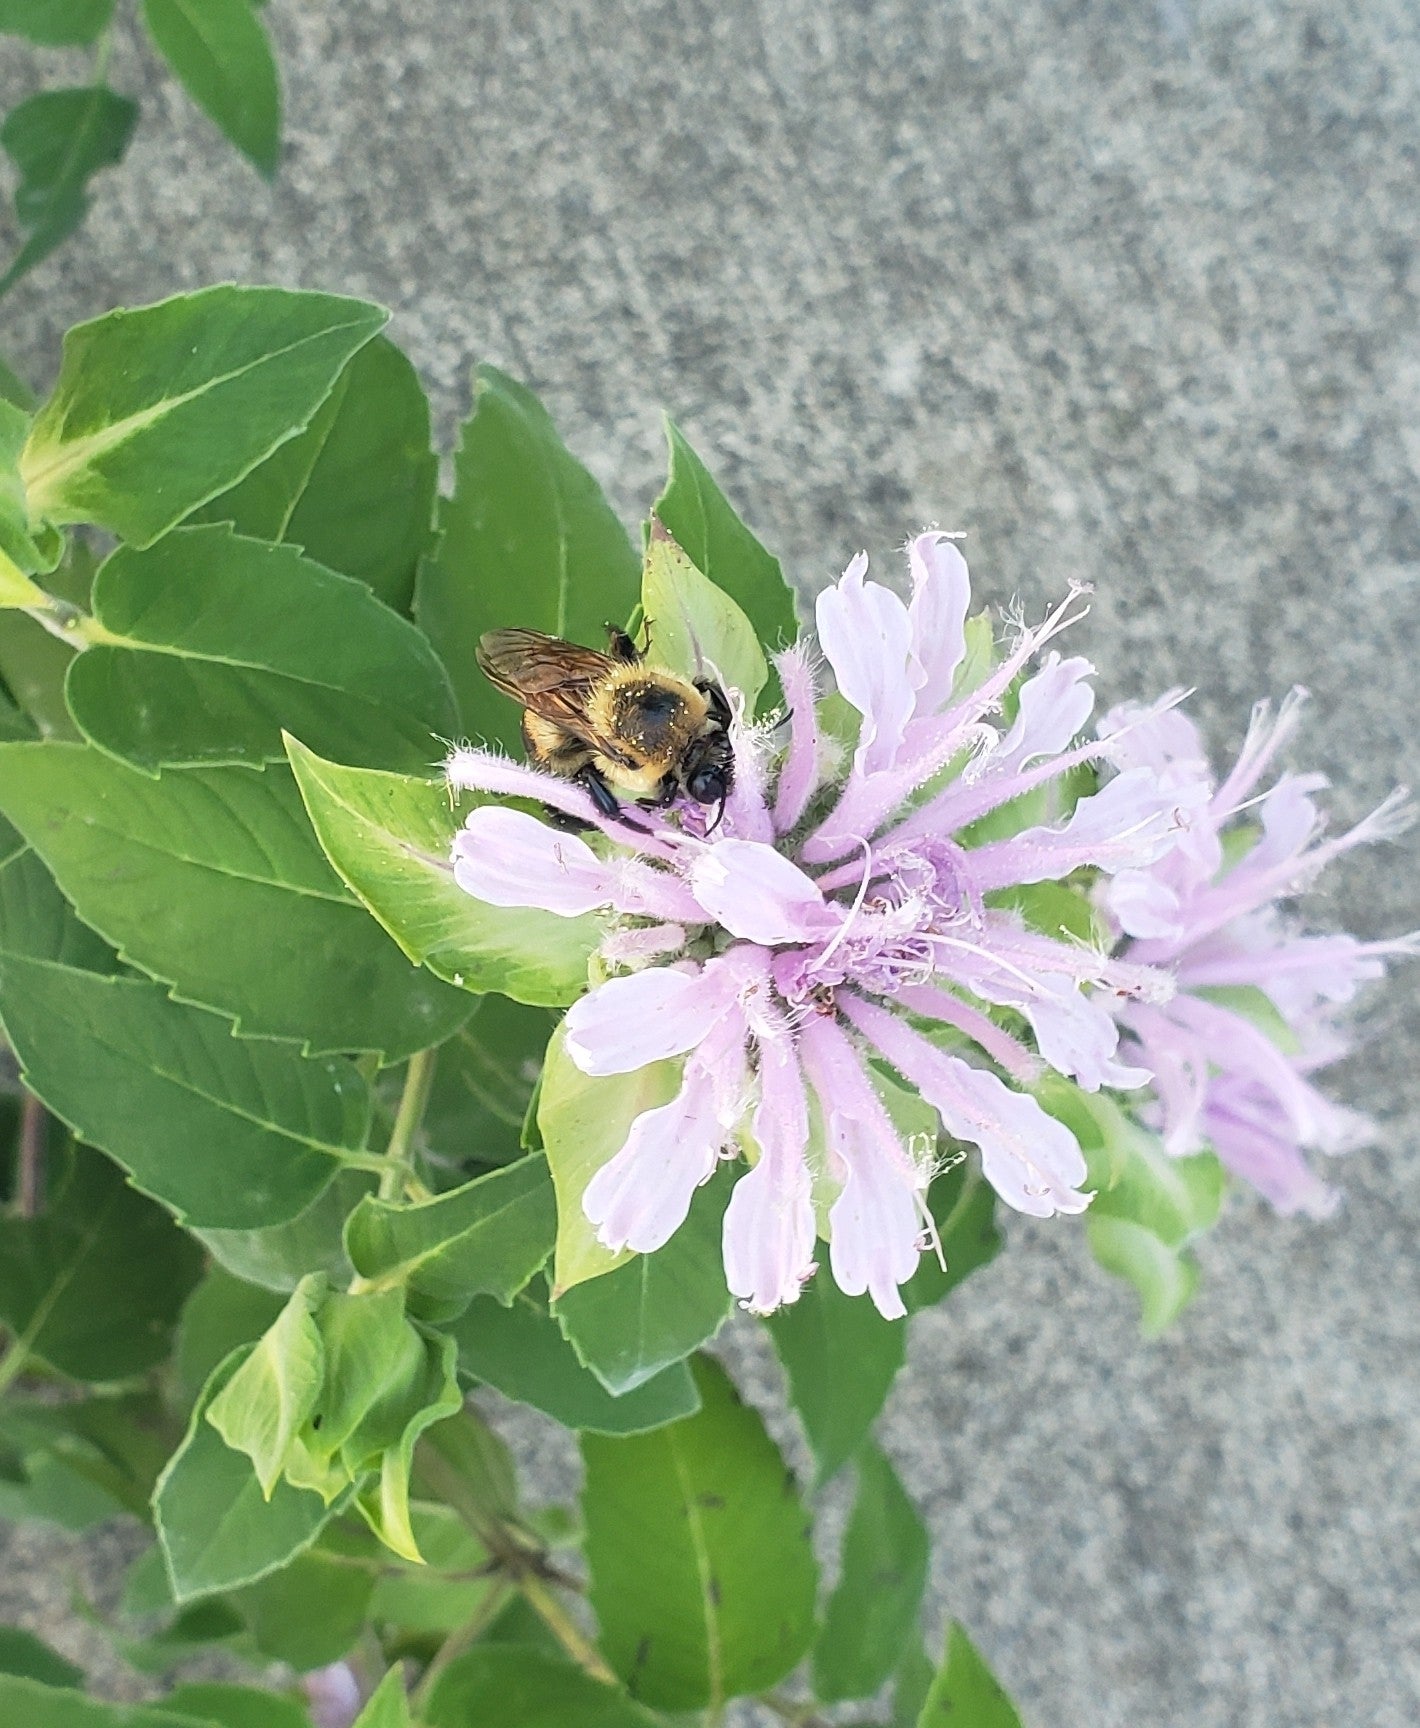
{"points": [[29, 1173], [799, 1715], [460, 1640], [562, 1626], [418, 1083], [102, 53]]}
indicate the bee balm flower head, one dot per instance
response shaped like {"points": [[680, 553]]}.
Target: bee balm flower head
{"points": [[838, 922]]}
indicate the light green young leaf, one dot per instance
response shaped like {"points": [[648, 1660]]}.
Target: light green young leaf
{"points": [[712, 536], [527, 539], [221, 1314], [21, 554], [965, 1693], [389, 837], [55, 23], [356, 489], [274, 1392], [58, 140], [584, 1123], [388, 1706], [224, 641], [220, 51], [520, 1350], [690, 1615], [813, 1338], [227, 1133], [1148, 1206], [695, 628], [872, 1613], [656, 1309], [486, 1238], [442, 1594], [513, 1686], [216, 1527], [159, 409], [202, 876], [95, 1283]]}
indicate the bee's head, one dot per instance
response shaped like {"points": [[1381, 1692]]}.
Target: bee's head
{"points": [[709, 784]]}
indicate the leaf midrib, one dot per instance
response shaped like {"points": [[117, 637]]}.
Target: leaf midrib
{"points": [[95, 445], [714, 1654]]}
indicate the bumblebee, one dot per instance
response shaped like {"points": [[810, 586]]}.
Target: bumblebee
{"points": [[613, 723]]}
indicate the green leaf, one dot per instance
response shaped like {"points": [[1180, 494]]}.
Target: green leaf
{"points": [[658, 1308], [515, 1687], [158, 410], [275, 1391], [228, 1706], [965, 1693], [695, 628], [718, 543], [279, 1256], [56, 23], [356, 488], [442, 1594], [23, 1654], [225, 641], [1148, 1206], [13, 388], [486, 1238], [911, 1684], [29, 1703], [680, 1524], [32, 662], [584, 1123], [227, 1133], [202, 876], [58, 140], [527, 539], [18, 544], [521, 1351], [37, 922], [94, 1285], [216, 1527], [814, 1337], [963, 1207], [484, 1079], [389, 837], [220, 52], [221, 1314], [310, 1612], [389, 1705], [872, 1613]]}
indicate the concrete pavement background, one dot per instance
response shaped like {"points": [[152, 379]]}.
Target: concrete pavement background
{"points": [[1129, 292]]}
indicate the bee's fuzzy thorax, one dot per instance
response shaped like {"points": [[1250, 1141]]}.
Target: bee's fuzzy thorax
{"points": [[652, 712]]}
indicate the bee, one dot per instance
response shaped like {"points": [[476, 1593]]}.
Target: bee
{"points": [[611, 722]]}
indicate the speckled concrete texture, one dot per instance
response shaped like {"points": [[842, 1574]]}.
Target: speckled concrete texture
{"points": [[1128, 291]]}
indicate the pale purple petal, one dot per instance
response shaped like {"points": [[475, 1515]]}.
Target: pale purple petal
{"points": [[875, 1224], [641, 1197], [1254, 1141], [1078, 1036], [627, 1022], [1032, 1161], [758, 893], [1129, 822], [941, 593], [746, 814], [798, 778], [637, 946], [1154, 735], [487, 771], [333, 1695], [866, 636], [1178, 1060], [1054, 706], [1265, 737], [1142, 905], [769, 1223], [998, 1044], [509, 858]]}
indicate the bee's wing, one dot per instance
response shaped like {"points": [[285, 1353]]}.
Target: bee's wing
{"points": [[551, 677]]}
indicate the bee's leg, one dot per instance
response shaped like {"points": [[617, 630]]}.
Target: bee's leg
{"points": [[593, 783], [664, 794], [620, 646], [720, 711]]}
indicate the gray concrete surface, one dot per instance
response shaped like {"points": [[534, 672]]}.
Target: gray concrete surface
{"points": [[1129, 292]]}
